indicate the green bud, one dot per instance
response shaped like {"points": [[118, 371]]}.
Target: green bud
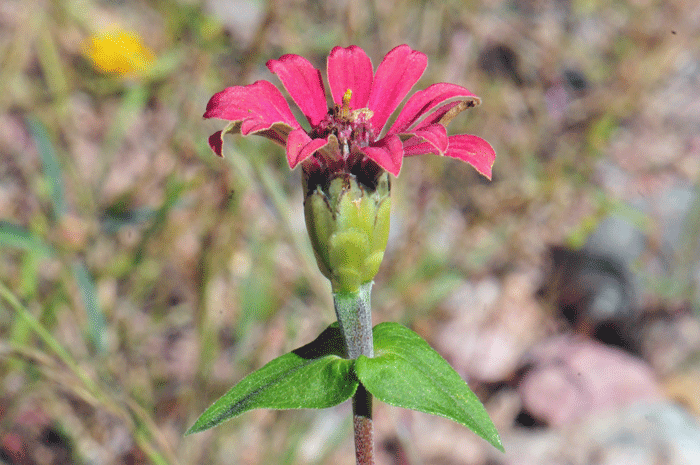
{"points": [[348, 223]]}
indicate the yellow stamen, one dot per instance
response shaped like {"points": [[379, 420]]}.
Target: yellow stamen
{"points": [[345, 109]]}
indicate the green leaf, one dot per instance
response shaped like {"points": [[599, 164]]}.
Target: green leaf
{"points": [[314, 376], [406, 372]]}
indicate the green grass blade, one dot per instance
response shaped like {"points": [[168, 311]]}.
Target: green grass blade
{"points": [[96, 318], [14, 236], [46, 337], [52, 167]]}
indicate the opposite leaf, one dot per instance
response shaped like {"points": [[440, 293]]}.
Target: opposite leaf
{"points": [[406, 372], [313, 376]]}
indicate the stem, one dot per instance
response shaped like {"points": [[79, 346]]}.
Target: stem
{"points": [[363, 427], [354, 313]]}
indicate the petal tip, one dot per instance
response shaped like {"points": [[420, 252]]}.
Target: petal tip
{"points": [[216, 142], [473, 150], [485, 173]]}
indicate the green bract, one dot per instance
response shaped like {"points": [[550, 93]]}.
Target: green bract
{"points": [[348, 223]]}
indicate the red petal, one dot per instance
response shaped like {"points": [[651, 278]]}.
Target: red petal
{"points": [[258, 106], [350, 68], [397, 73], [300, 146], [435, 116], [216, 143], [417, 146], [387, 153], [423, 102], [304, 84], [474, 150], [436, 136], [471, 149]]}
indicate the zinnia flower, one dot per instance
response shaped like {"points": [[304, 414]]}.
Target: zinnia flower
{"points": [[352, 132]]}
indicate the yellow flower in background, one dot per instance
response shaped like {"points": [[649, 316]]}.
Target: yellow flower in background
{"points": [[118, 52]]}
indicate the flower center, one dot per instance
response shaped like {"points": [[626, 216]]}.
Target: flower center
{"points": [[354, 130], [352, 127]]}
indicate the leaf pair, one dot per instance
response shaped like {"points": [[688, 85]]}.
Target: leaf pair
{"points": [[405, 372]]}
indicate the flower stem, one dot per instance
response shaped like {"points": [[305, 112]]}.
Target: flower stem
{"points": [[354, 314], [363, 427]]}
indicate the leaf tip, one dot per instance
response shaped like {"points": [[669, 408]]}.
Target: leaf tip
{"points": [[196, 428], [497, 443]]}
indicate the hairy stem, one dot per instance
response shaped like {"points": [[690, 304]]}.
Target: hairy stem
{"points": [[354, 314]]}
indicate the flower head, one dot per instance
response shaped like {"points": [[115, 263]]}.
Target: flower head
{"points": [[119, 52], [350, 136], [347, 152]]}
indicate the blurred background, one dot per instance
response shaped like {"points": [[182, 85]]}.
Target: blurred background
{"points": [[141, 276]]}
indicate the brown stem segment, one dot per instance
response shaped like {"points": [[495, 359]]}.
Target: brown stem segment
{"points": [[363, 426], [364, 440]]}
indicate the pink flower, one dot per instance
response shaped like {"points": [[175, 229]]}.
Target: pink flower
{"points": [[352, 132]]}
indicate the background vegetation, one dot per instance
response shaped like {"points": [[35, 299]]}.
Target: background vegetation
{"points": [[141, 276]]}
